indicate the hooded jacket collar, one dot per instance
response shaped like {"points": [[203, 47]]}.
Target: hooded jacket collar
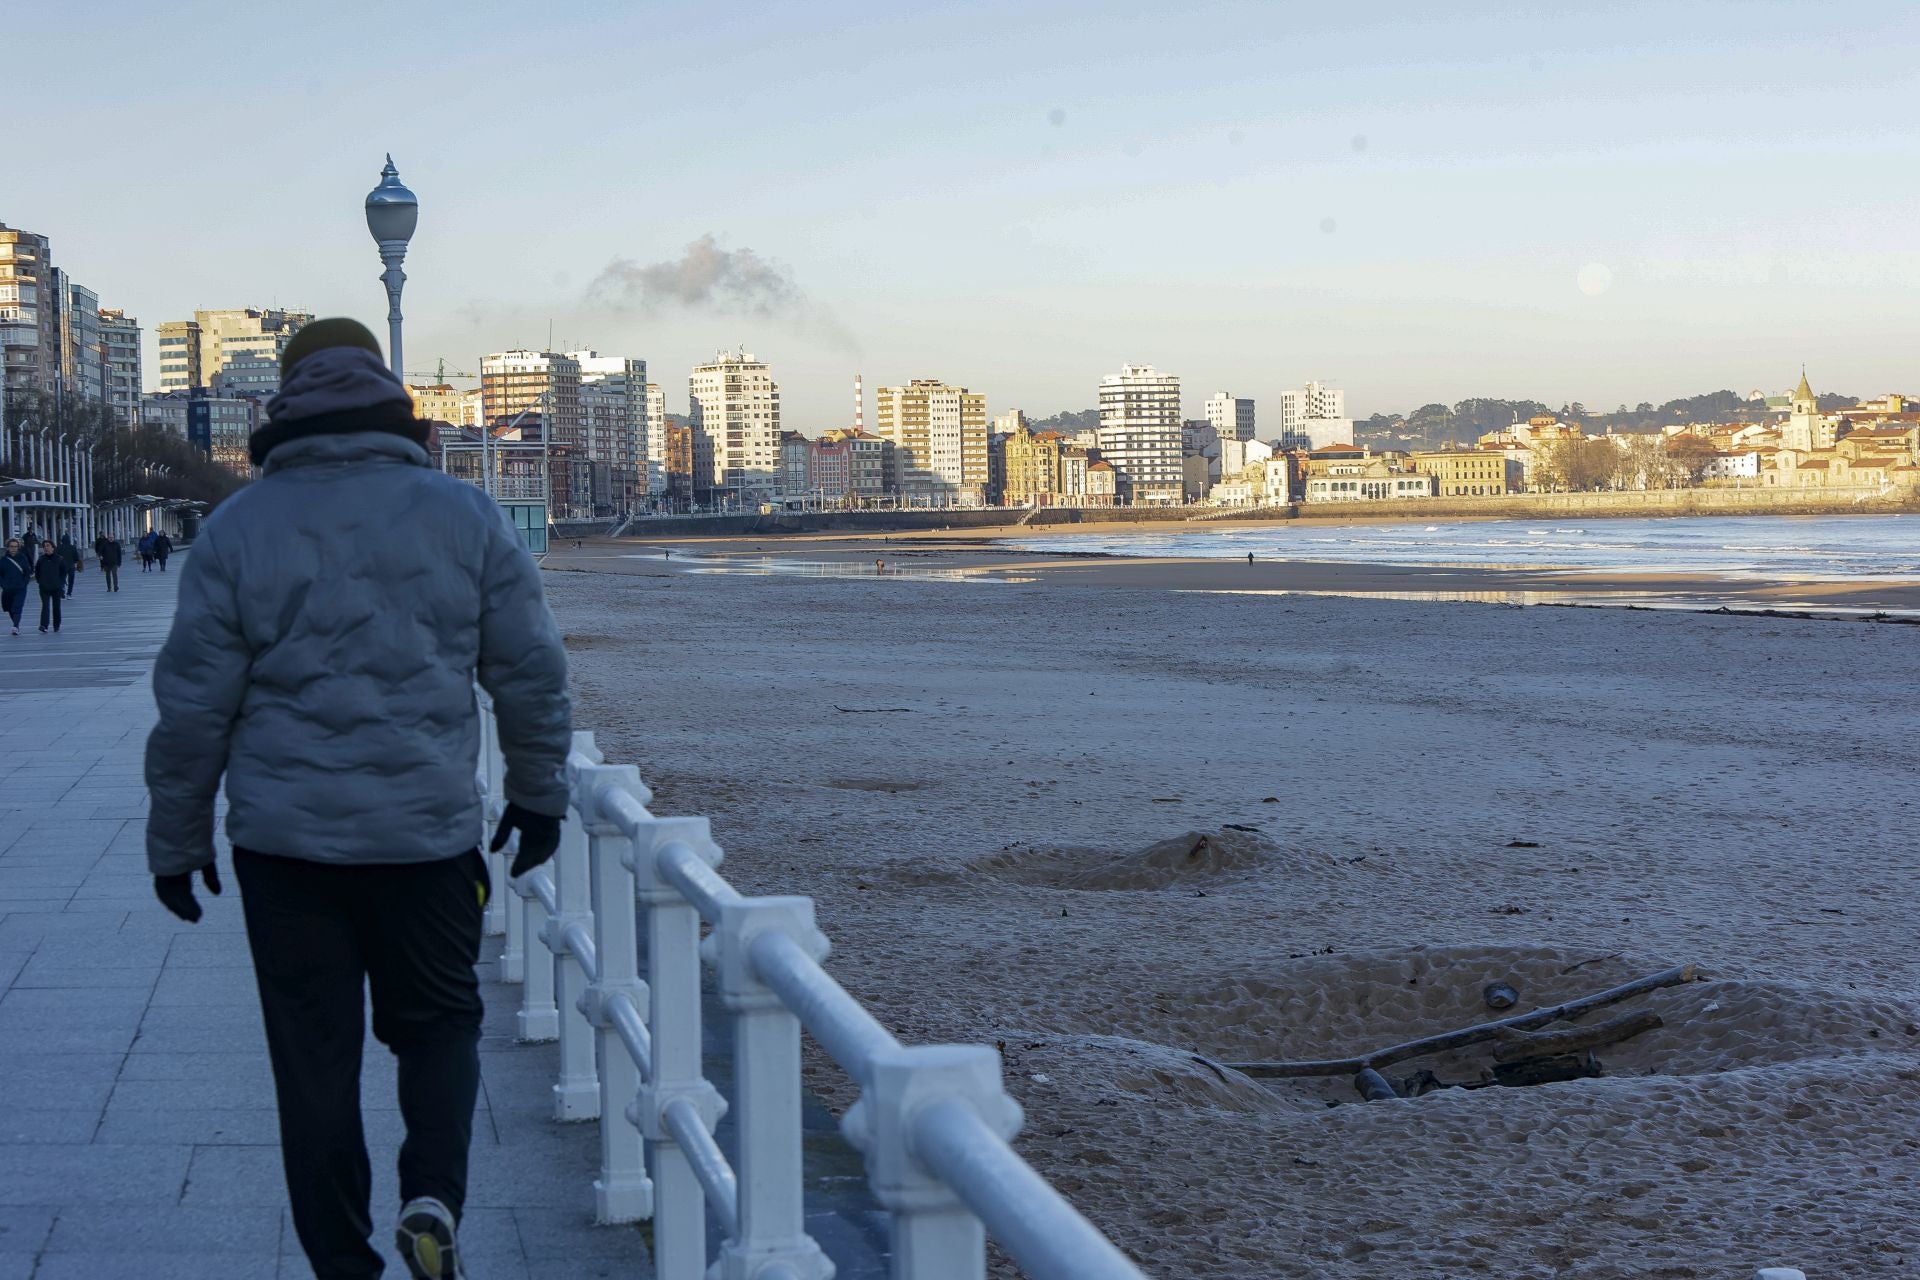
{"points": [[353, 446], [336, 391]]}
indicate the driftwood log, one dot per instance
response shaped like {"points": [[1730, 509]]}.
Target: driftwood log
{"points": [[1450, 1040], [1511, 1046]]}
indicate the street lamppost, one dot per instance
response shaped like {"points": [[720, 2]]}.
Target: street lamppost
{"points": [[392, 212]]}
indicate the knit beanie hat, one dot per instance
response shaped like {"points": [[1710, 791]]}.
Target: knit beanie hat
{"points": [[336, 331]]}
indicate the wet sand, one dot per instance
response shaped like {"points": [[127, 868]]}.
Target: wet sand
{"points": [[978, 554]]}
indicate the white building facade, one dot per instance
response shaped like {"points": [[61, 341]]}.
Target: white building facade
{"points": [[1139, 434], [613, 400], [733, 406], [1313, 417], [1231, 418]]}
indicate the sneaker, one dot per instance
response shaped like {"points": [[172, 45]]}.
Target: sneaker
{"points": [[426, 1241]]}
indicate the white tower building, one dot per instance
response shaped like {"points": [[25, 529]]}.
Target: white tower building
{"points": [[1140, 434], [734, 409]]}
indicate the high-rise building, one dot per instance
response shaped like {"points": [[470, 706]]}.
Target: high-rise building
{"points": [[1140, 434], [939, 434], [734, 410], [120, 356], [82, 363], [1313, 417], [545, 386], [29, 314], [226, 336], [613, 402], [179, 355], [1230, 418], [656, 440]]}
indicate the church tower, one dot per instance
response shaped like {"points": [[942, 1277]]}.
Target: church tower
{"points": [[1803, 429]]}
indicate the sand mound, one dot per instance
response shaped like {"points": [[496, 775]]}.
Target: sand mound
{"points": [[1103, 1070], [1340, 1005], [1185, 860]]}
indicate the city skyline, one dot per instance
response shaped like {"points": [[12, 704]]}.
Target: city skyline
{"points": [[1588, 208]]}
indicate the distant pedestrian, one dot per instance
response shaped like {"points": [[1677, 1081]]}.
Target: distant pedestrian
{"points": [[146, 551], [30, 543], [347, 736], [1249, 557], [52, 577], [69, 558], [162, 548], [107, 552], [16, 575]]}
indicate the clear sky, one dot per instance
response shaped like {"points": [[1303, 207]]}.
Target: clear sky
{"points": [[1416, 202]]}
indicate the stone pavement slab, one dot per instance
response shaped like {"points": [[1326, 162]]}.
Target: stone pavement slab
{"points": [[138, 1135]]}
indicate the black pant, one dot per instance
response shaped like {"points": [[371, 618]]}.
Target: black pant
{"points": [[319, 933], [163, 563], [13, 602], [111, 573], [49, 599], [70, 573]]}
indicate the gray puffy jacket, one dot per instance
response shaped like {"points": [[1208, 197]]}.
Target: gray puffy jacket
{"points": [[332, 620]]}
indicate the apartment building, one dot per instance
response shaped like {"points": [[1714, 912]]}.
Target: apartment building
{"points": [[734, 410], [613, 400], [120, 359], [29, 316], [179, 355], [1231, 418], [1139, 435], [1313, 417], [939, 434], [545, 387]]}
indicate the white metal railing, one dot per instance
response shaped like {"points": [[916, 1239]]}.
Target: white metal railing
{"points": [[932, 1121]]}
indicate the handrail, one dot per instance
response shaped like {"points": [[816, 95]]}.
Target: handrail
{"points": [[932, 1121]]}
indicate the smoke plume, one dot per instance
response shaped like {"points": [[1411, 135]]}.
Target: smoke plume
{"points": [[705, 277], [736, 282]]}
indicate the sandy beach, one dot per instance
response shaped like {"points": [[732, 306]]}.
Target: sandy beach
{"points": [[994, 791]]}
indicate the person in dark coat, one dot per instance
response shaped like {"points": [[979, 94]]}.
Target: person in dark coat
{"points": [[162, 548], [347, 737], [16, 574], [107, 551], [146, 551], [69, 559], [30, 543], [51, 574]]}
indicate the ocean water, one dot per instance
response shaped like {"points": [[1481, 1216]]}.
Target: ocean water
{"points": [[1798, 548]]}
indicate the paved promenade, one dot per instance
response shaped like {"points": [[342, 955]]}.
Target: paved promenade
{"points": [[137, 1129]]}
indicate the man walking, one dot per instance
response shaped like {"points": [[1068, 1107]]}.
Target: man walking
{"points": [[348, 737], [162, 548], [69, 558], [107, 551], [51, 575]]}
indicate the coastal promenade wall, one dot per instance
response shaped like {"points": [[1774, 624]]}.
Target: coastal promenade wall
{"points": [[1834, 500]]}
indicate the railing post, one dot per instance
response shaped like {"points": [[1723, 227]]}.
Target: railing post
{"points": [[622, 1193], [538, 1018], [766, 1093], [673, 981], [577, 1095], [935, 1235], [493, 767]]}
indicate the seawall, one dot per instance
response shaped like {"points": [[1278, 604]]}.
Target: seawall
{"points": [[1514, 506]]}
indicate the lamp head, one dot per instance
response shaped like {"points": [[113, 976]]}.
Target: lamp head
{"points": [[392, 210]]}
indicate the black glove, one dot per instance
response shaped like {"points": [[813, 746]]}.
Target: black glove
{"points": [[539, 837], [176, 892]]}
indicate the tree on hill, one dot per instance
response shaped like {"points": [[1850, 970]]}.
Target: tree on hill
{"points": [[1068, 421]]}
